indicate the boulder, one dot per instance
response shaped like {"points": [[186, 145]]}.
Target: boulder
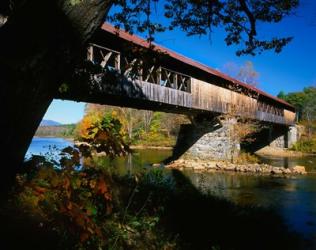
{"points": [[298, 169], [200, 167], [211, 165], [157, 165], [276, 170], [220, 165], [286, 171], [230, 167]]}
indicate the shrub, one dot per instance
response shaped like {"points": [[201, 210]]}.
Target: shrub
{"points": [[245, 157], [307, 146]]}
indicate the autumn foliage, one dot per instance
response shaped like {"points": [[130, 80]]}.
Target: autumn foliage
{"points": [[138, 127], [72, 198]]}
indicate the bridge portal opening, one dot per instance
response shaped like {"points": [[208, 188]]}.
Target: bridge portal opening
{"points": [[67, 123], [151, 134]]}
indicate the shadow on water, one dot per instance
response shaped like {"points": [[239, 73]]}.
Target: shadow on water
{"points": [[309, 161], [204, 221]]}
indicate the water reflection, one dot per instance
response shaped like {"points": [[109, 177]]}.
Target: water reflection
{"points": [[308, 161], [133, 163]]}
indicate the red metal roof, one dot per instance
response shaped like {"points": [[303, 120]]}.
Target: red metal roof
{"points": [[141, 42]]}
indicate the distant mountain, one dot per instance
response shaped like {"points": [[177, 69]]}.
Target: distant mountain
{"points": [[49, 123]]}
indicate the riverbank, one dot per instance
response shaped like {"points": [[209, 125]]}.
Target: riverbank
{"points": [[281, 152], [222, 166], [151, 147], [71, 139], [135, 147]]}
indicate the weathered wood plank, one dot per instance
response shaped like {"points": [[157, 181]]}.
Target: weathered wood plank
{"points": [[169, 87]]}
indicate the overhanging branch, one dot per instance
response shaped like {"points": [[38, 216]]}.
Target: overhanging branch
{"points": [[251, 19]]}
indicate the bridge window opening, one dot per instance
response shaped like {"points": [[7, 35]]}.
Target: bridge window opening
{"points": [[57, 128], [267, 108], [168, 78], [113, 60], [175, 80], [104, 57]]}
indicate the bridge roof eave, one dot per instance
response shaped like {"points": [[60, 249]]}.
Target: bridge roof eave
{"points": [[143, 43]]}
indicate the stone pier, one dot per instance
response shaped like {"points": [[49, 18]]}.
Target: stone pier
{"points": [[284, 137], [214, 140], [207, 140]]}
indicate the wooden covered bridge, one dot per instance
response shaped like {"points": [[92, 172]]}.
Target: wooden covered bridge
{"points": [[170, 82]]}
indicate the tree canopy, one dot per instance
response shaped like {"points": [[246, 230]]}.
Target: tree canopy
{"points": [[304, 102], [238, 18], [245, 73]]}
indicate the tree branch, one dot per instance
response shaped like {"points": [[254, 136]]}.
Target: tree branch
{"points": [[251, 19]]}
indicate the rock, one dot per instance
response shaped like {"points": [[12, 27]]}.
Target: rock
{"points": [[175, 164], [246, 169], [230, 167], [258, 169], [219, 165], [169, 166], [211, 165], [286, 171], [79, 143], [157, 165], [276, 170], [238, 168], [199, 167], [298, 169]]}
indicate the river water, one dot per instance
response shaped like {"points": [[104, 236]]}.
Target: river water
{"points": [[294, 198]]}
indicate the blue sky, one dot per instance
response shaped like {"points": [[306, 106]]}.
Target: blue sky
{"points": [[291, 70], [65, 112]]}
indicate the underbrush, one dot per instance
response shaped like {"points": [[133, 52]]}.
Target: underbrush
{"points": [[76, 207], [305, 145], [246, 158], [155, 139]]}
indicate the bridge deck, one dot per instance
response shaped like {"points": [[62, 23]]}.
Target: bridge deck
{"points": [[174, 84]]}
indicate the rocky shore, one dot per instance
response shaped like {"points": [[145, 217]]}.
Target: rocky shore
{"points": [[213, 166]]}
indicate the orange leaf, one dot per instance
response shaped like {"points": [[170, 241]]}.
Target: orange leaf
{"points": [[39, 190], [69, 205], [84, 236]]}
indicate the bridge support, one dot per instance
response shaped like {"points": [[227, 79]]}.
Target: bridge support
{"points": [[214, 139], [292, 136], [283, 138], [207, 140]]}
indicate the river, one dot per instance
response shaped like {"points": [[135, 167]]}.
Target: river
{"points": [[294, 198]]}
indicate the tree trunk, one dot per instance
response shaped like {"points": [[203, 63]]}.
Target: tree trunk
{"points": [[40, 44]]}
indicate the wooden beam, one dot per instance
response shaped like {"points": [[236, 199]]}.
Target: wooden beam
{"points": [[158, 73], [105, 58], [90, 53], [118, 62]]}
